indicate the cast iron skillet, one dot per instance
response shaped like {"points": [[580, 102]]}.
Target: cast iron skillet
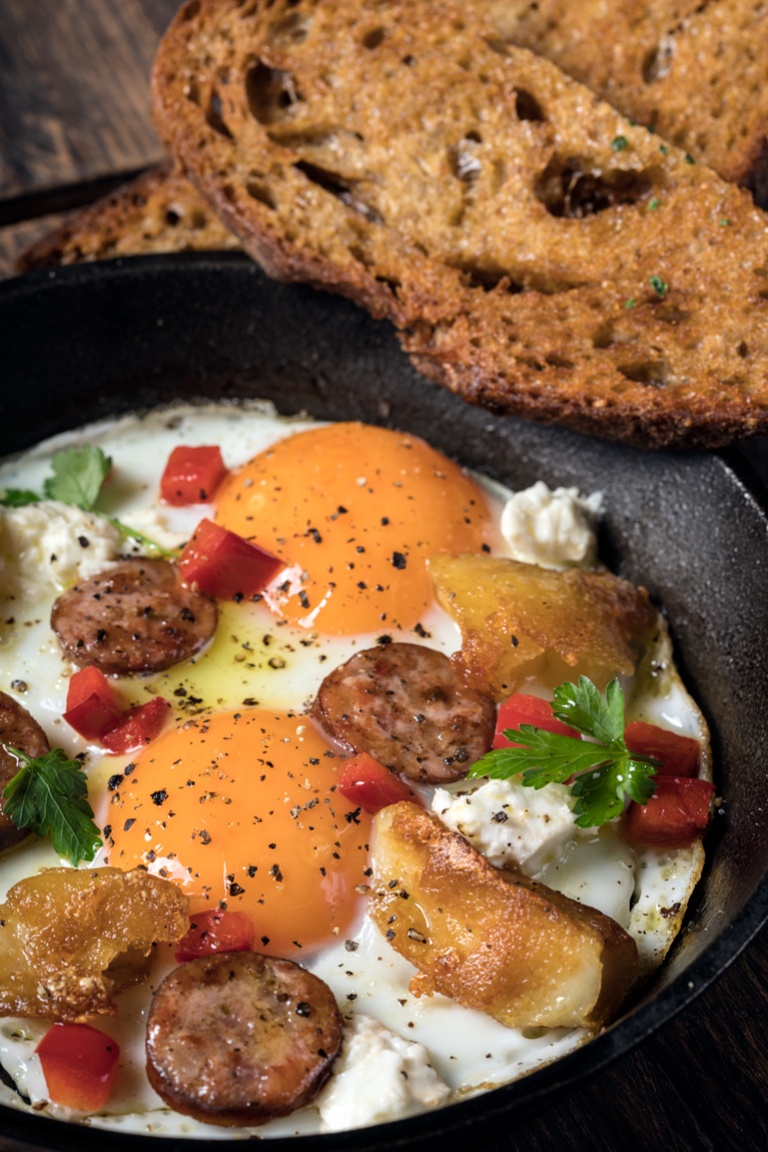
{"points": [[86, 342]]}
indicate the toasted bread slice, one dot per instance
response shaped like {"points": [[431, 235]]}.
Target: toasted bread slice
{"points": [[696, 73], [159, 211], [538, 254]]}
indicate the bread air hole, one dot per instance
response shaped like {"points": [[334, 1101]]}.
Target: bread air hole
{"points": [[343, 190], [262, 194], [568, 187], [488, 279], [653, 373], [214, 115], [270, 92], [373, 38], [289, 29], [527, 106], [556, 361], [306, 137]]}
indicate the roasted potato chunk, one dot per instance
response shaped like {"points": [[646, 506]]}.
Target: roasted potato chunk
{"points": [[518, 621], [71, 938], [493, 940]]}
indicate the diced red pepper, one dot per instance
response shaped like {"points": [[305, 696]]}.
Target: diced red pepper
{"points": [[79, 1064], [675, 816], [192, 474], [678, 755], [93, 703], [215, 931], [225, 565], [369, 785], [137, 726], [523, 709]]}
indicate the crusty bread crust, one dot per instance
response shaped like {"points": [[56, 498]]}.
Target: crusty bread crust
{"points": [[537, 253], [159, 211], [696, 73]]}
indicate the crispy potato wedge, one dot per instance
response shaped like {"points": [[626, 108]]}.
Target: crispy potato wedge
{"points": [[518, 621], [71, 938], [493, 940]]}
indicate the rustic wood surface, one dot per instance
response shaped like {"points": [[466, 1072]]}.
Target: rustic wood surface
{"points": [[74, 114]]}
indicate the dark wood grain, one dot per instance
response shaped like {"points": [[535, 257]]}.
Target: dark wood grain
{"points": [[74, 90], [700, 1083]]}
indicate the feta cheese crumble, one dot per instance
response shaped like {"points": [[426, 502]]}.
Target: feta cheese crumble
{"points": [[378, 1076], [555, 529], [52, 543], [510, 824]]}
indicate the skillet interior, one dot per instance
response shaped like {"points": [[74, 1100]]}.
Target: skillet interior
{"points": [[86, 342]]}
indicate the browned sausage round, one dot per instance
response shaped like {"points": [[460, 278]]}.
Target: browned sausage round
{"points": [[406, 706], [17, 730], [135, 617], [238, 1038]]}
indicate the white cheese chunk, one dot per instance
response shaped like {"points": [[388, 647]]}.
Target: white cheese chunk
{"points": [[52, 544], [555, 529], [378, 1076], [511, 824]]}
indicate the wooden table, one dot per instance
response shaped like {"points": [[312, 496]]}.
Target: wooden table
{"points": [[74, 120]]}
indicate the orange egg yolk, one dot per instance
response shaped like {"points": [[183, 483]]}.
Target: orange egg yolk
{"points": [[241, 810], [354, 512]]}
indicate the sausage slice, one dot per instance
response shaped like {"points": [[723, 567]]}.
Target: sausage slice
{"points": [[135, 617], [18, 729], [407, 706], [238, 1038]]}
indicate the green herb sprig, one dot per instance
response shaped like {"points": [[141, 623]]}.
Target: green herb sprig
{"points": [[605, 771], [78, 476], [49, 796]]}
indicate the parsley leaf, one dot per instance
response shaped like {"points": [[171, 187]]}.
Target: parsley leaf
{"points": [[78, 474], [18, 498], [659, 286], [605, 771], [49, 795]]}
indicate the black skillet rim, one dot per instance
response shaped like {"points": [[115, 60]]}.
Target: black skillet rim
{"points": [[488, 1112]]}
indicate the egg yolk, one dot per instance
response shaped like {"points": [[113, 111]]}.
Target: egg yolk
{"points": [[241, 810], [354, 512]]}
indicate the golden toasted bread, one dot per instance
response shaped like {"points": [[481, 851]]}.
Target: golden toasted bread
{"points": [[538, 253], [695, 73], [159, 211]]}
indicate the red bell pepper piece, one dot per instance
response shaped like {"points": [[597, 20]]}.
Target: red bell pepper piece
{"points": [[93, 703], [678, 755], [225, 565], [368, 784], [675, 816], [192, 475], [523, 709], [79, 1064], [215, 931], [137, 726]]}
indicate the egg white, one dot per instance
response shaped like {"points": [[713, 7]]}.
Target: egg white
{"points": [[254, 659]]}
